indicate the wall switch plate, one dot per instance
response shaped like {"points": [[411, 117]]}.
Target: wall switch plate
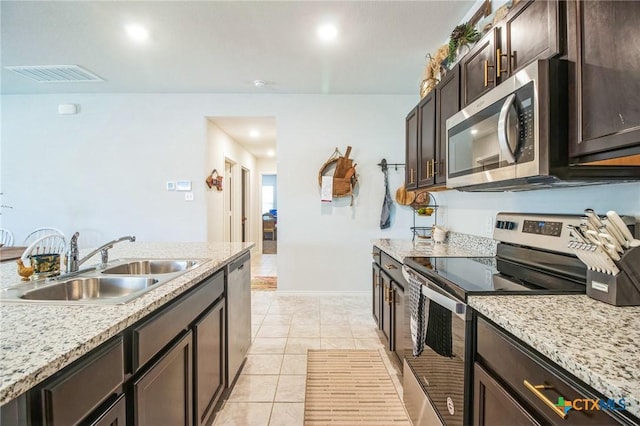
{"points": [[171, 186], [183, 185], [188, 196]]}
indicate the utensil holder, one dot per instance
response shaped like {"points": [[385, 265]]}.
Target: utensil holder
{"points": [[622, 289]]}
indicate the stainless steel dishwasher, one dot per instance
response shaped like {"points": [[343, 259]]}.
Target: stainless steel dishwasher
{"points": [[238, 314]]}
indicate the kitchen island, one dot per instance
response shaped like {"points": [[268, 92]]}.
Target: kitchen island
{"points": [[593, 341], [39, 339]]}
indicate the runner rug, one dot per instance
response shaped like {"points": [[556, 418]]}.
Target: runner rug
{"points": [[263, 283], [350, 387]]}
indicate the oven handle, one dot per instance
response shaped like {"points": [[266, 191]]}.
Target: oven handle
{"points": [[503, 139], [449, 303]]}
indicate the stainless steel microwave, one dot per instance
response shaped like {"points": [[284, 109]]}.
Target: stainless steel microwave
{"points": [[515, 137], [503, 138]]}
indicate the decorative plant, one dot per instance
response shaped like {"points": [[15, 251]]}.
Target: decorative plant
{"points": [[462, 34]]}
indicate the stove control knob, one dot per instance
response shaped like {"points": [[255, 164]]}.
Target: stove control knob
{"points": [[511, 225], [500, 224]]}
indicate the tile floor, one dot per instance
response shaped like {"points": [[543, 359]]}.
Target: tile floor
{"points": [[271, 387], [264, 264]]}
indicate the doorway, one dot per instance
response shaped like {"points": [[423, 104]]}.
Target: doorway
{"points": [[245, 226], [269, 214], [228, 201]]}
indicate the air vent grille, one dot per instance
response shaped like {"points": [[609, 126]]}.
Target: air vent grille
{"points": [[56, 73]]}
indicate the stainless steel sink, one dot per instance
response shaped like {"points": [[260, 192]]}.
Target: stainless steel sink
{"points": [[147, 267], [122, 281], [91, 288]]}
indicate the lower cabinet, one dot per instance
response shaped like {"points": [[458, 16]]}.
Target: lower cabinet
{"points": [[388, 301], [514, 385], [163, 394], [209, 362]]}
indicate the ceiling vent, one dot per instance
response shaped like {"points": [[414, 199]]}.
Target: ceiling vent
{"points": [[56, 73]]}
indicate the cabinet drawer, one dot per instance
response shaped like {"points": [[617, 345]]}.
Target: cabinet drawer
{"points": [[76, 392], [514, 364], [393, 268], [149, 337]]}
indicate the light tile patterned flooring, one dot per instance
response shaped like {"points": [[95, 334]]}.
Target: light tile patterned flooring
{"points": [[271, 387]]}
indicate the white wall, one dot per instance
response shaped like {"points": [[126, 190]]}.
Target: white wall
{"points": [[104, 170]]}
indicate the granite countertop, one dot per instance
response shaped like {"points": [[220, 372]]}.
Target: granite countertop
{"points": [[456, 245], [596, 342], [36, 340]]}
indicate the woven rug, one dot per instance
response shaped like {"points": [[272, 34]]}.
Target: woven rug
{"points": [[262, 283], [350, 387], [269, 247]]}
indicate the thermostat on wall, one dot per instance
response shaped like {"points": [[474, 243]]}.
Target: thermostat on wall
{"points": [[183, 185]]}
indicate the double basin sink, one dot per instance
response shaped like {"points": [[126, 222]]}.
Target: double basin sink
{"points": [[120, 282]]}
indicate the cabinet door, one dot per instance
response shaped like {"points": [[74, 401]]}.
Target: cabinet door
{"points": [[376, 288], [209, 357], [398, 320], [163, 394], [426, 139], [603, 44], [115, 415], [411, 167], [530, 32], [478, 68], [387, 322], [447, 104], [493, 405]]}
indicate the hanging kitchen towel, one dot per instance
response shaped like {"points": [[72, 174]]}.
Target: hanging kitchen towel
{"points": [[387, 204], [326, 188], [416, 310], [439, 330]]}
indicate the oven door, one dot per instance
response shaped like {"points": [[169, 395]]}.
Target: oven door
{"points": [[495, 138], [439, 371]]}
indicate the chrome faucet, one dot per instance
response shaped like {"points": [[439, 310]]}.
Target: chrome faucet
{"points": [[73, 263]]}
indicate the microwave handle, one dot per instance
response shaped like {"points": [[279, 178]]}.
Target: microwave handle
{"points": [[503, 138]]}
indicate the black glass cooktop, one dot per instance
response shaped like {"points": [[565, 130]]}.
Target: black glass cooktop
{"points": [[465, 276]]}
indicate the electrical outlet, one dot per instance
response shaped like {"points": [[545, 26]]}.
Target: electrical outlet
{"points": [[488, 276], [188, 196], [490, 224]]}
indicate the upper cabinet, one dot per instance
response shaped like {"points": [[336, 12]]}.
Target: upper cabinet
{"points": [[411, 167], [603, 48], [531, 31], [427, 134]]}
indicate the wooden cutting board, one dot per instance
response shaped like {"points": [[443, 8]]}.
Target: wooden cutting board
{"points": [[343, 165], [11, 253]]}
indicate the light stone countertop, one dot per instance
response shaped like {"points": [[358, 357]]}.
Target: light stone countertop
{"points": [[456, 245], [596, 342], [37, 340]]}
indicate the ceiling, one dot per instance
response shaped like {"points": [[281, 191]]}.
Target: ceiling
{"points": [[224, 46]]}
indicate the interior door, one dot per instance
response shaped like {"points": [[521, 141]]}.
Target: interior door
{"points": [[228, 201], [245, 205]]}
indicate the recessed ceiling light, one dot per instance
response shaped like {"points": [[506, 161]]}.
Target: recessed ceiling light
{"points": [[271, 153], [327, 32], [259, 83], [137, 32], [254, 133], [474, 131]]}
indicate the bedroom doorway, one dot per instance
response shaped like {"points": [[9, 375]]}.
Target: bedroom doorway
{"points": [[269, 214]]}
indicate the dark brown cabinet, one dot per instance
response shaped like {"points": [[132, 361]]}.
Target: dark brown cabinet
{"points": [[427, 140], [426, 134], [163, 394], [447, 104], [209, 361], [411, 167], [389, 301], [493, 405], [376, 288], [603, 50], [515, 385], [531, 31]]}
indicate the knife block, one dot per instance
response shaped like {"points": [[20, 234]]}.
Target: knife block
{"points": [[622, 289]]}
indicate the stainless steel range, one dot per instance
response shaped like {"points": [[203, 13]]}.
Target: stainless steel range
{"points": [[533, 257]]}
